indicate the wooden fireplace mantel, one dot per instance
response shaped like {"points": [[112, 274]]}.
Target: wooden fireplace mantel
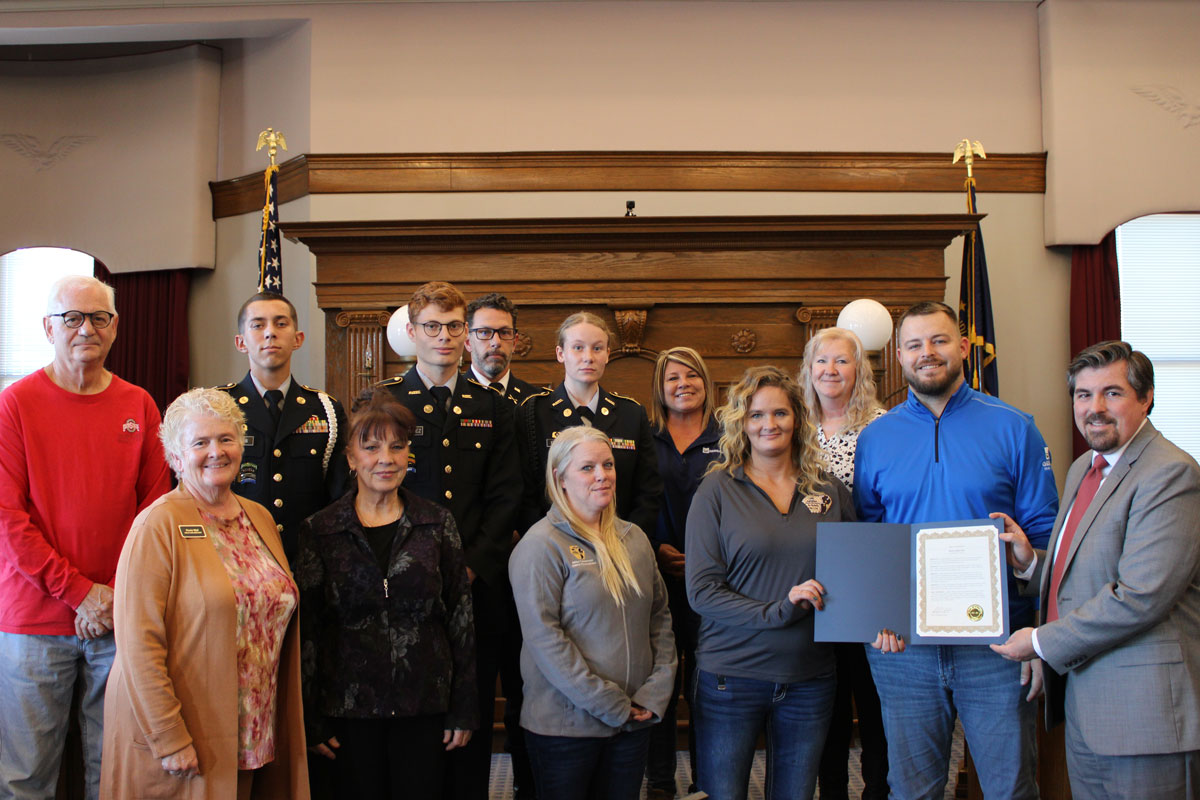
{"points": [[741, 290]]}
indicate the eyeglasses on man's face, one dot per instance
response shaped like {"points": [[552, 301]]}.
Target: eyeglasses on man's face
{"points": [[74, 319], [485, 334], [433, 328]]}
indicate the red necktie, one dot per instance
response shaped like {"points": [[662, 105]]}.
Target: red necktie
{"points": [[1087, 491]]}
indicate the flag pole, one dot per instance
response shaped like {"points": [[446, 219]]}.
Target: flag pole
{"points": [[975, 304]]}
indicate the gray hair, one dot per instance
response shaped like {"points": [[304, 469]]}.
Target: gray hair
{"points": [[63, 285], [196, 403]]}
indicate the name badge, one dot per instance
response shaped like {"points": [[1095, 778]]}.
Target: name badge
{"points": [[192, 532]]}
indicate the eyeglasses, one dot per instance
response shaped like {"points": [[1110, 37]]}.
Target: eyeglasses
{"points": [[74, 319], [454, 328], [485, 334]]}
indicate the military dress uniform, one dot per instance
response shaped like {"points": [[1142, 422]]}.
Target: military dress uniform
{"points": [[297, 468], [465, 458], [544, 415]]}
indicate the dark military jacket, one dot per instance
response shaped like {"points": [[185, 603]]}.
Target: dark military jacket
{"points": [[543, 416], [379, 644], [301, 467], [466, 460]]}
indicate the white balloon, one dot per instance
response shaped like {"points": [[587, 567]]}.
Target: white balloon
{"points": [[869, 320], [397, 334]]}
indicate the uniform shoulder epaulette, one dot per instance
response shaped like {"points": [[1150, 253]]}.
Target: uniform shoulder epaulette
{"points": [[226, 387], [535, 396], [623, 397], [391, 381], [471, 379], [315, 390]]}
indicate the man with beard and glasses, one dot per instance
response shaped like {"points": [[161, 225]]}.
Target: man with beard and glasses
{"points": [[952, 453], [492, 324], [492, 328], [1121, 631]]}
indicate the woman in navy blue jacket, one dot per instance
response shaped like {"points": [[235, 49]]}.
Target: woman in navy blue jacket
{"points": [[685, 434]]}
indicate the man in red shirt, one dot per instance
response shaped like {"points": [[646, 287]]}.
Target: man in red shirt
{"points": [[79, 458]]}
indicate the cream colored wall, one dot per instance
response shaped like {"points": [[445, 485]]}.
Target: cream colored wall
{"points": [[1122, 113], [676, 76], [132, 189]]}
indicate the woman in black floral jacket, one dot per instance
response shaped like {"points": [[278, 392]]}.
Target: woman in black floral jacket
{"points": [[385, 623]]}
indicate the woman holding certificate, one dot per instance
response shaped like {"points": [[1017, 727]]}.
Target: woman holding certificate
{"points": [[751, 545], [839, 392]]}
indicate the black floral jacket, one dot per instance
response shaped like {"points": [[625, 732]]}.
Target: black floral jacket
{"points": [[377, 646]]}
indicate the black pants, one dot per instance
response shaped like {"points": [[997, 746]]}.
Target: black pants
{"points": [[390, 759], [854, 680], [467, 769], [660, 764]]}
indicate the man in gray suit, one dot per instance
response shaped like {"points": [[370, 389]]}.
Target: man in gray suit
{"points": [[1121, 598]]}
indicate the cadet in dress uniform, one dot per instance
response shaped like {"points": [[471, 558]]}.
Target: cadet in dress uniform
{"points": [[463, 455], [583, 347], [293, 461], [491, 339]]}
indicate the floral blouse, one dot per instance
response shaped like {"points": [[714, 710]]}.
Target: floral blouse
{"points": [[266, 599], [839, 451]]}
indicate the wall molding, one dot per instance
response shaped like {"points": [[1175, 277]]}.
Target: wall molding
{"points": [[665, 171]]}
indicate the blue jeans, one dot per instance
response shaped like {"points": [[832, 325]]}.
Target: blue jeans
{"points": [[923, 688], [730, 713], [595, 767], [37, 680]]}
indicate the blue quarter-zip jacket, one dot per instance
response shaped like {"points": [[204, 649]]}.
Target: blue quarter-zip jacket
{"points": [[981, 455]]}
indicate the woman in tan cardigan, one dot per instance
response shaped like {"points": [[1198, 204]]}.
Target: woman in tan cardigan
{"points": [[204, 697]]}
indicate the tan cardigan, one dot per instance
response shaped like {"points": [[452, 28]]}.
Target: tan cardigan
{"points": [[174, 681]]}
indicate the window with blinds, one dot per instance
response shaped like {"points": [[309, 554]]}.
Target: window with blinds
{"points": [[25, 279], [1159, 264]]}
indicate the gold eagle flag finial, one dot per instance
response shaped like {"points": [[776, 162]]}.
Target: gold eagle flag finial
{"points": [[273, 139], [967, 150]]}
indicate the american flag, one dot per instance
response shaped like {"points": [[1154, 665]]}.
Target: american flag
{"points": [[270, 265]]}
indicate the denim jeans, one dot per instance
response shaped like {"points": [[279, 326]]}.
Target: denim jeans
{"points": [[37, 681], [731, 712], [589, 767], [923, 688]]}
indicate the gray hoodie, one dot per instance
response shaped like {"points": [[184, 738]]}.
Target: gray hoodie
{"points": [[586, 660]]}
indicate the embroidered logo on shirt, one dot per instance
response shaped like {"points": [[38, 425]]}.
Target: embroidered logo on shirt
{"points": [[475, 423], [577, 551], [709, 450], [623, 444], [313, 424], [818, 503], [131, 426], [192, 532]]}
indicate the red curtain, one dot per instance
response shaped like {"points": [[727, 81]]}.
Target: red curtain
{"points": [[1095, 301], [151, 349]]}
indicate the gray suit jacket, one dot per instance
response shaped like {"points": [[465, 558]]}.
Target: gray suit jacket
{"points": [[1127, 642]]}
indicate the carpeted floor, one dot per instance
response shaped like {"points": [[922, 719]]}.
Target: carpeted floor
{"points": [[501, 780]]}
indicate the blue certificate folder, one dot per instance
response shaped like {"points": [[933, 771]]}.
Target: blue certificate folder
{"points": [[869, 572]]}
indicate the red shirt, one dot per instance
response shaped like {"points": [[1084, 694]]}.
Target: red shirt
{"points": [[75, 470]]}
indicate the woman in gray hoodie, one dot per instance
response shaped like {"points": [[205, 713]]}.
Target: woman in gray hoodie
{"points": [[599, 657]]}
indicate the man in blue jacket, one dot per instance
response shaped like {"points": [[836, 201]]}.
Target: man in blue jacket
{"points": [[952, 453]]}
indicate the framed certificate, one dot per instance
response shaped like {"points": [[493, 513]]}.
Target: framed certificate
{"points": [[934, 583]]}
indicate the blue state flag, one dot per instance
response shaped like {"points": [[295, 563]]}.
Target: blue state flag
{"points": [[975, 320]]}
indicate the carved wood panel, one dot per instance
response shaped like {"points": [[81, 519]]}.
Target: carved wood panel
{"points": [[741, 290]]}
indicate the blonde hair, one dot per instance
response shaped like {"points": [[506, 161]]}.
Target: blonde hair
{"points": [[807, 458], [616, 570], [690, 359], [863, 406], [211, 403], [581, 318]]}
